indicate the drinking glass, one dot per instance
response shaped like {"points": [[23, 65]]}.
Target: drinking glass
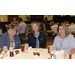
{"points": [[0, 50], [41, 49], [70, 55], [5, 49], [50, 48], [22, 47], [66, 55], [26, 46]]}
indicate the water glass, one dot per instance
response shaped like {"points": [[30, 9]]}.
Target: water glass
{"points": [[5, 49], [26, 46], [41, 49], [66, 55]]}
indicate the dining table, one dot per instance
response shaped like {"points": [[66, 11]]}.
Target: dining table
{"points": [[71, 28], [54, 28], [28, 55], [43, 54]]}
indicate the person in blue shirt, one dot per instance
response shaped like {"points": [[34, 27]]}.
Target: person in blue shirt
{"points": [[21, 28], [10, 38], [64, 40], [36, 39]]}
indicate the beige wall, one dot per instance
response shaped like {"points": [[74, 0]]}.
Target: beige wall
{"points": [[24, 17], [4, 18], [50, 17]]}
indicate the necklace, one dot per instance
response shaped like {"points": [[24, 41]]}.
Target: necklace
{"points": [[61, 41]]}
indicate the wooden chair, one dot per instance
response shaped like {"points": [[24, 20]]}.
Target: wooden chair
{"points": [[66, 22], [26, 34], [47, 31], [27, 31]]}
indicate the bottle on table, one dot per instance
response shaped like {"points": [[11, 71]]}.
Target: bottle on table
{"points": [[11, 51]]}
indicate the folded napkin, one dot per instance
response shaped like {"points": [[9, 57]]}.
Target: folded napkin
{"points": [[29, 49], [59, 52]]}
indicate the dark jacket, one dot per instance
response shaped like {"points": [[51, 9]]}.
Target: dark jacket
{"points": [[41, 38]]}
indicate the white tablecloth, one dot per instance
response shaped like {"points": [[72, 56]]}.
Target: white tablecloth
{"points": [[22, 55], [43, 54], [71, 29], [54, 28]]}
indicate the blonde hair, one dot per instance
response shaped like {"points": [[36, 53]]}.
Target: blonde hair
{"points": [[35, 22], [65, 28]]}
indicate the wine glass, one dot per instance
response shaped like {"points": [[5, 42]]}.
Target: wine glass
{"points": [[5, 49]]}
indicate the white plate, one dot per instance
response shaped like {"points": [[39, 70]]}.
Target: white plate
{"points": [[37, 56]]}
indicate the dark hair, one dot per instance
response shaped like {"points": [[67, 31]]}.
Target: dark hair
{"points": [[20, 19], [11, 26]]}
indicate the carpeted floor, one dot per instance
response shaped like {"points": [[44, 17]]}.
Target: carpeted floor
{"points": [[49, 42]]}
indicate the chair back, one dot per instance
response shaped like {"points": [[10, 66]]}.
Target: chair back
{"points": [[27, 31], [66, 22], [1, 31], [44, 27]]}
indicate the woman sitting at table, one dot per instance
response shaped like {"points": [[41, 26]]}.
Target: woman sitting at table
{"points": [[14, 21], [64, 40], [36, 39], [10, 38]]}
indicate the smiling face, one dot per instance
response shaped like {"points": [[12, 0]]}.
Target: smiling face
{"points": [[11, 32], [61, 30], [35, 27]]}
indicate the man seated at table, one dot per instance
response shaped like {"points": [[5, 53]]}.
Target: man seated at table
{"points": [[21, 28]]}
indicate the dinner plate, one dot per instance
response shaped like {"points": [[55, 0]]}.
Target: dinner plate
{"points": [[37, 56]]}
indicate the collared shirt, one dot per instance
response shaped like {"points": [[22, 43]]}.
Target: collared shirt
{"points": [[21, 27], [68, 43]]}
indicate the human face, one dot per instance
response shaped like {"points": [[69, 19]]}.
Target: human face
{"points": [[61, 31], [35, 27], [12, 32], [19, 21], [14, 19]]}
